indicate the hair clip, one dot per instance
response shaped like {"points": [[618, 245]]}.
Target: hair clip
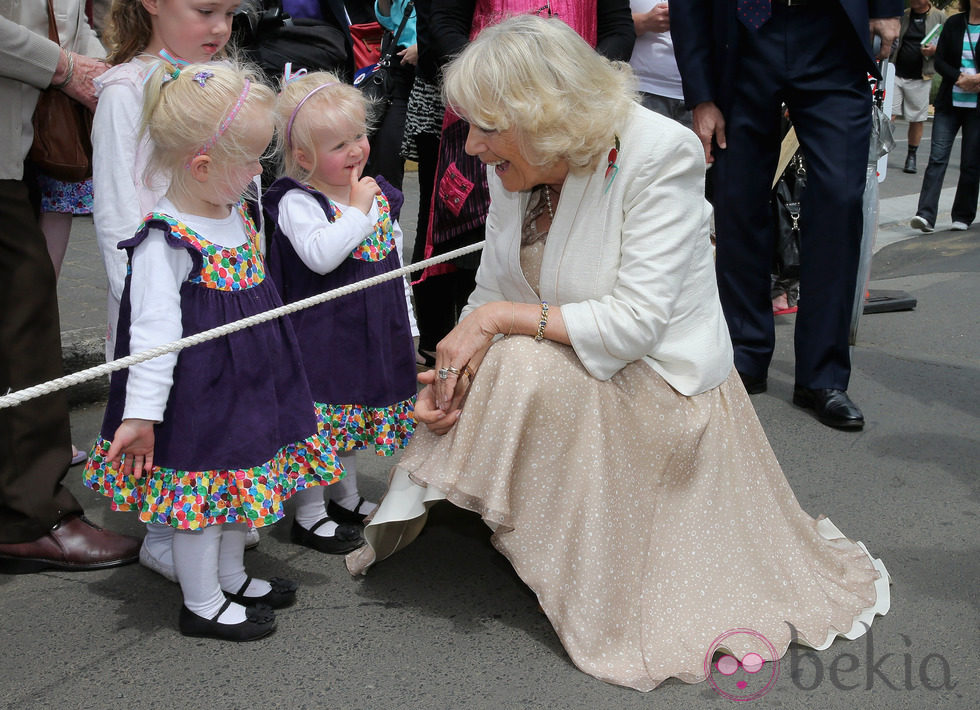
{"points": [[289, 75], [176, 61], [168, 75], [203, 76]]}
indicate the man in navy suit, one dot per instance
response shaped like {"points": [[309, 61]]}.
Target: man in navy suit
{"points": [[739, 61]]}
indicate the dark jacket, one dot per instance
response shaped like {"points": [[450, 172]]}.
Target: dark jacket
{"points": [[934, 17], [705, 34]]}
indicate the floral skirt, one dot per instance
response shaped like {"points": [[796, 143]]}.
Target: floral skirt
{"points": [[649, 524], [66, 197]]}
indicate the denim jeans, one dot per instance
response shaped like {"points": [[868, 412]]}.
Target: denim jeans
{"points": [[945, 125]]}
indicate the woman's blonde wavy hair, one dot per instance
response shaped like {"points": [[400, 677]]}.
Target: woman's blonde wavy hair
{"points": [[181, 115], [336, 105], [563, 99]]}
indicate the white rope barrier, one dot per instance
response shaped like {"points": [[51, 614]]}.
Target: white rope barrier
{"points": [[12, 399]]}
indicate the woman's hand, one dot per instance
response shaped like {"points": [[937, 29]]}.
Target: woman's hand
{"points": [[80, 86], [410, 55], [465, 347], [969, 82], [133, 445]]}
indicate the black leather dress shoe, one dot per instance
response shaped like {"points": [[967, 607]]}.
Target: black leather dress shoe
{"points": [[909, 164], [346, 538], [754, 385], [259, 621], [75, 543], [282, 594], [833, 407]]}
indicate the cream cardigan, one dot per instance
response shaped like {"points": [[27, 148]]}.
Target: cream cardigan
{"points": [[629, 262], [28, 60]]}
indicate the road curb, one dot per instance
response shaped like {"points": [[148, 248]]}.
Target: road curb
{"points": [[81, 349]]}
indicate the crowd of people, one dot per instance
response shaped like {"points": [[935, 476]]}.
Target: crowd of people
{"points": [[598, 313]]}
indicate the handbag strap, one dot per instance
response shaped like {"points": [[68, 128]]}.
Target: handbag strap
{"points": [[393, 45], [52, 25]]}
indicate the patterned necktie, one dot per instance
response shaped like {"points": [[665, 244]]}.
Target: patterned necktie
{"points": [[754, 13]]}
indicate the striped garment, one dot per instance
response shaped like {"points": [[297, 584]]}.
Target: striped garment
{"points": [[968, 65]]}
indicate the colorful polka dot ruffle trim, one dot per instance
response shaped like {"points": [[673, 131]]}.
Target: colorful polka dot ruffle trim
{"points": [[354, 427], [191, 500]]}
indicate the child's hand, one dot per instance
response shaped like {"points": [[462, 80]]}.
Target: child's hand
{"points": [[133, 445], [362, 192], [439, 421]]}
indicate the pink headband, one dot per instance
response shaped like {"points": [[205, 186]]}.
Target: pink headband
{"points": [[289, 126], [226, 122]]}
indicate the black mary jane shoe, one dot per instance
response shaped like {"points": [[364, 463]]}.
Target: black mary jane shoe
{"points": [[282, 594], [259, 621], [340, 514], [346, 538], [833, 407]]}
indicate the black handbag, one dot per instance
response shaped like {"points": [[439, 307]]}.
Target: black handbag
{"points": [[270, 38], [377, 82], [786, 198]]}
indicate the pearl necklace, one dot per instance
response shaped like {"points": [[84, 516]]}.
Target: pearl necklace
{"points": [[547, 202]]}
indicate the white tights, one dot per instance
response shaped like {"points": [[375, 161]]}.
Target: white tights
{"points": [[209, 561]]}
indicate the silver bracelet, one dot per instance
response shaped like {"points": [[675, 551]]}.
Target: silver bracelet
{"points": [[69, 73]]}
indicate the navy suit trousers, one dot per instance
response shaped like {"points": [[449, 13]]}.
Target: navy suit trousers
{"points": [[807, 58]]}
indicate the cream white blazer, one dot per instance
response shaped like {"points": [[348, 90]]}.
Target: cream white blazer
{"points": [[628, 260]]}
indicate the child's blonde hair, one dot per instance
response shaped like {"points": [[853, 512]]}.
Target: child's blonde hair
{"points": [[332, 105], [185, 112]]}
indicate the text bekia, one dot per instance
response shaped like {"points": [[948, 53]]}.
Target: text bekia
{"points": [[845, 671]]}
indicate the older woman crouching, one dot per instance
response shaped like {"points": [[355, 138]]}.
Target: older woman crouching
{"points": [[586, 404]]}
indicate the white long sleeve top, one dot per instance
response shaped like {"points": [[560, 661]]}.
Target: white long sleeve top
{"points": [[122, 197], [323, 245], [159, 271]]}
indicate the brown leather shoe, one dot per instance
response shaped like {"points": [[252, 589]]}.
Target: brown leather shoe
{"points": [[75, 543]]}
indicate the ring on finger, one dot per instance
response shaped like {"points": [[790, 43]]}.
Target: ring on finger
{"points": [[453, 370], [468, 371], [443, 373]]}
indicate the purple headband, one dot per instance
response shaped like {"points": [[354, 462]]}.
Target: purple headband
{"points": [[289, 126], [225, 123]]}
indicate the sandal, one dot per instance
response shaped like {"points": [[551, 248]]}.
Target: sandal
{"points": [[77, 456]]}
